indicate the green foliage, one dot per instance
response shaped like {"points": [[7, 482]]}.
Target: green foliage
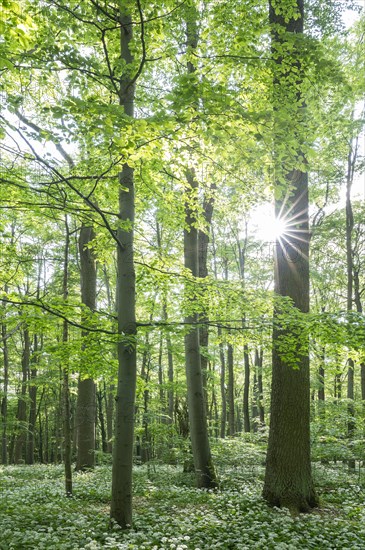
{"points": [[171, 513]]}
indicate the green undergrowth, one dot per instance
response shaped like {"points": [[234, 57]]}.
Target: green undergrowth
{"points": [[171, 514]]}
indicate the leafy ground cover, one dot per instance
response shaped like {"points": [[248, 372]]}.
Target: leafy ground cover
{"points": [[171, 514]]}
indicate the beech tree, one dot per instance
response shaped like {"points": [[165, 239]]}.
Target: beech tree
{"points": [[288, 478]]}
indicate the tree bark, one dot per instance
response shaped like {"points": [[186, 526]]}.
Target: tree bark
{"points": [[260, 390], [351, 158], [86, 395], [246, 391], [121, 504], [222, 386], [230, 391], [32, 403], [100, 399], [110, 398], [67, 441], [4, 402], [204, 470], [288, 478], [203, 242], [21, 415]]}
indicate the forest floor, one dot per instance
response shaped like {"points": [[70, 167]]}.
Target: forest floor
{"points": [[169, 513]]}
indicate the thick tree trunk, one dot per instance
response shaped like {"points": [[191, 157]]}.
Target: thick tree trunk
{"points": [[288, 478], [204, 470], [86, 395], [121, 504], [203, 464]]}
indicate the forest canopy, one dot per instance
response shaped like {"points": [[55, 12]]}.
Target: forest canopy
{"points": [[182, 229]]}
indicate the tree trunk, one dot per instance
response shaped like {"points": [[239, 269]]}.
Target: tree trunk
{"points": [[110, 398], [121, 504], [259, 388], [255, 410], [203, 242], [33, 403], [100, 399], [204, 470], [230, 391], [223, 386], [321, 395], [288, 478], [203, 464], [66, 410], [86, 395], [351, 159], [145, 372], [246, 391], [110, 392], [4, 401], [21, 415], [351, 426]]}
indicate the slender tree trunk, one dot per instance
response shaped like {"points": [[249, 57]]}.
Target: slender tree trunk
{"points": [[358, 302], [261, 389], [121, 504], [352, 154], [40, 447], [246, 391], [288, 477], [321, 373], [4, 402], [230, 391], [32, 403], [338, 386], [100, 399], [66, 409], [258, 390], [255, 410], [203, 242], [170, 374], [145, 371], [86, 396], [110, 392], [222, 386], [351, 426], [21, 415], [110, 397]]}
